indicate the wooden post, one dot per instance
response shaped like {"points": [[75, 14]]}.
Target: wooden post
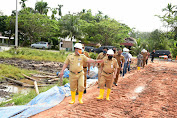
{"points": [[36, 87]]}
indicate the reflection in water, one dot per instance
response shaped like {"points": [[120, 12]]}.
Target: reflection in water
{"points": [[14, 89]]}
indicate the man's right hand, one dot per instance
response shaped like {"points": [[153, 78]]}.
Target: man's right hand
{"points": [[61, 74]]}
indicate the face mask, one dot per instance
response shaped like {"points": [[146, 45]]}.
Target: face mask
{"points": [[82, 50], [104, 52], [110, 57], [114, 51], [79, 51]]}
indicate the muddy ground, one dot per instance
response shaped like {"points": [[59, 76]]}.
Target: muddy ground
{"points": [[150, 92], [45, 66], [42, 66]]}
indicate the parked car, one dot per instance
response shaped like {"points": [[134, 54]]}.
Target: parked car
{"points": [[89, 48], [161, 52], [42, 45], [100, 49]]}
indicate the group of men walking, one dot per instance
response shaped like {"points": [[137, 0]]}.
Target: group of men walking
{"points": [[143, 58], [110, 64]]}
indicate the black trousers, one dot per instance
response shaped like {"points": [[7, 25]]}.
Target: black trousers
{"points": [[146, 61], [152, 59]]}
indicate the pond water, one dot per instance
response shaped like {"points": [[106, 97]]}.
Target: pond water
{"points": [[8, 89]]}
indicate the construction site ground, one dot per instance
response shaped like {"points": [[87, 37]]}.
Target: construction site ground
{"points": [[150, 92]]}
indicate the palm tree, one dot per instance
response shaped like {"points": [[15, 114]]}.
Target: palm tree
{"points": [[54, 12], [59, 10], [23, 3], [41, 7], [69, 26], [169, 10]]}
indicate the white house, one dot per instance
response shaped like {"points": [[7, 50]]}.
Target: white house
{"points": [[4, 40]]}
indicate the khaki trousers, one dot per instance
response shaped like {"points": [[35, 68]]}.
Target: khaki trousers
{"points": [[144, 62], [99, 76], [106, 79], [85, 77], [117, 75], [76, 80]]}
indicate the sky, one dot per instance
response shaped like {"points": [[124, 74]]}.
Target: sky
{"points": [[138, 14]]}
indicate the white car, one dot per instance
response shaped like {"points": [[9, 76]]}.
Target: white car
{"points": [[42, 45]]}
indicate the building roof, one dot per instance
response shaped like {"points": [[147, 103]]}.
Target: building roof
{"points": [[129, 41], [3, 37]]}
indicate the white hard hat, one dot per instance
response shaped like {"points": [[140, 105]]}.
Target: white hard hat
{"points": [[144, 50], [78, 45], [125, 50], [110, 52]]}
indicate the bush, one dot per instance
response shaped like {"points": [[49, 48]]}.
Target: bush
{"points": [[174, 52], [93, 55]]}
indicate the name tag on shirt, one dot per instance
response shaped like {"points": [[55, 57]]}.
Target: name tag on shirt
{"points": [[78, 64]]}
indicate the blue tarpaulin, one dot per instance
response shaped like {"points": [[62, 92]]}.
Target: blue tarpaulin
{"points": [[43, 101]]}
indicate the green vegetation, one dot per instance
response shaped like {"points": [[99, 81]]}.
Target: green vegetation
{"points": [[13, 72], [21, 99], [157, 39], [33, 54], [34, 25], [65, 81], [93, 55]]}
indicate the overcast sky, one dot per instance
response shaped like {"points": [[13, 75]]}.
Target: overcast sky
{"points": [[134, 13]]}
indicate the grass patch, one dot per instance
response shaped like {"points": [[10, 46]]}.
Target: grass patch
{"points": [[35, 54], [13, 72]]}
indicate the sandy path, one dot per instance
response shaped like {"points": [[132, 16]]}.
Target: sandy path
{"points": [[152, 92]]}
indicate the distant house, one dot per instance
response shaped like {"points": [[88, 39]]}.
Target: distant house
{"points": [[5, 40], [129, 42], [67, 44]]}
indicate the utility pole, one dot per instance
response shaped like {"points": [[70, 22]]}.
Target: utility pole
{"points": [[16, 26]]}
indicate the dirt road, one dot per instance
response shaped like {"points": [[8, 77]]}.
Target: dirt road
{"points": [[152, 92]]}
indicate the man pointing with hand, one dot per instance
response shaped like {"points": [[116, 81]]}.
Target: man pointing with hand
{"points": [[76, 75]]}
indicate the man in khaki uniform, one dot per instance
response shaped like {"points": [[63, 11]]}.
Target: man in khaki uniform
{"points": [[85, 65], [109, 71], [76, 75], [101, 56], [144, 53], [120, 60]]}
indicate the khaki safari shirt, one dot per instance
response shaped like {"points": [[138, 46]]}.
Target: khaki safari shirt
{"points": [[109, 65], [100, 56], [87, 55], [119, 58], [144, 55], [76, 62]]}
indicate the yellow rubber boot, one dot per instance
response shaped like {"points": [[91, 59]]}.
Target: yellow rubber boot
{"points": [[108, 92], [73, 94], [101, 94], [80, 97]]}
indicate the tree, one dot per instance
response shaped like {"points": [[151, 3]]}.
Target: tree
{"points": [[37, 27], [42, 7], [22, 2], [3, 24], [54, 12], [69, 26], [59, 10], [107, 32], [170, 18]]}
